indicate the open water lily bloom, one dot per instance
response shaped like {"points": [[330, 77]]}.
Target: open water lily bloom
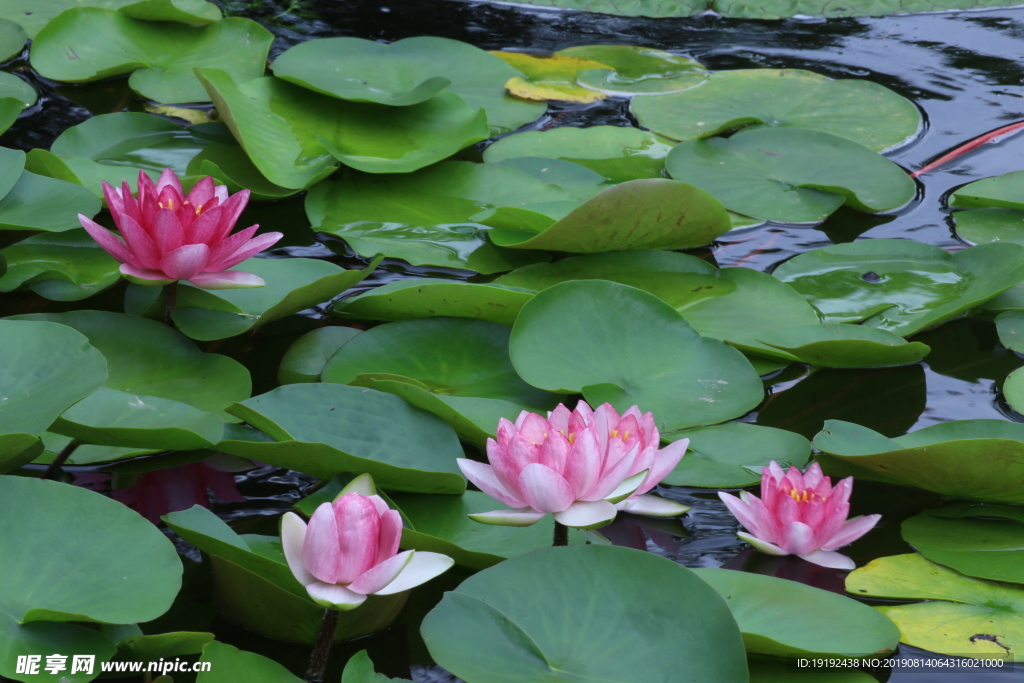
{"points": [[349, 550], [800, 514], [166, 236], [578, 465]]}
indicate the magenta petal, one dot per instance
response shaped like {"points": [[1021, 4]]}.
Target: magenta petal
{"points": [[851, 531], [107, 240], [487, 481], [186, 261], [167, 231], [168, 179], [221, 193], [201, 193], [743, 512], [227, 279], [358, 535], [544, 489], [380, 575], [204, 228], [248, 249], [233, 208], [144, 276], [320, 552], [140, 243], [114, 202]]}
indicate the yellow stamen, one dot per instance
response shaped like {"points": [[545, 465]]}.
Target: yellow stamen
{"points": [[572, 438], [615, 433], [625, 435]]}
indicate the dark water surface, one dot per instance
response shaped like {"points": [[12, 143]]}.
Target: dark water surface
{"points": [[964, 70]]}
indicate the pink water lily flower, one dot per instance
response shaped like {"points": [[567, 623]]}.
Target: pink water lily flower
{"points": [[577, 465], [800, 514], [167, 236], [349, 550]]}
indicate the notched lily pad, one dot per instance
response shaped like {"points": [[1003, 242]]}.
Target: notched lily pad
{"points": [[838, 345], [977, 543], [960, 615], [306, 357], [866, 113], [976, 459], [790, 175]]}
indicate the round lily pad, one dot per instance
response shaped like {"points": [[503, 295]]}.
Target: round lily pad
{"points": [[306, 357], [866, 113], [976, 459], [451, 356], [72, 527], [633, 70], [191, 12], [565, 341], [789, 619], [586, 612], [431, 298], [732, 455], [790, 175], [985, 548], [160, 56], [899, 285], [12, 39], [396, 71], [1013, 390], [960, 616], [14, 87], [996, 211], [997, 192]]}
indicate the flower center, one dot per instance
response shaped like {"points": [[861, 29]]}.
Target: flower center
{"points": [[570, 436], [624, 437], [806, 496]]}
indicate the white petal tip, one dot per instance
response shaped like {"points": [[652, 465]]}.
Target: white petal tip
{"points": [[513, 517], [653, 506]]}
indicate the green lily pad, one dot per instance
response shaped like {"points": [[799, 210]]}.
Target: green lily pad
{"points": [[359, 669], [450, 356], [14, 87], [33, 15], [66, 266], [866, 113], [149, 358], [10, 110], [40, 203], [636, 70], [138, 647], [732, 304], [306, 357], [228, 662], [325, 429], [997, 213], [646, 354], [12, 163], [117, 418], [293, 285], [119, 583], [441, 524], [113, 147], [12, 39], [901, 286], [839, 345], [191, 12], [49, 368], [1013, 390], [786, 618], [474, 419], [293, 135], [997, 192], [790, 175], [962, 615], [628, 8], [87, 454], [479, 78], [732, 455], [1010, 326], [616, 152], [585, 612], [654, 213], [416, 298], [160, 56], [985, 548], [432, 216], [976, 459], [579, 181], [775, 670]]}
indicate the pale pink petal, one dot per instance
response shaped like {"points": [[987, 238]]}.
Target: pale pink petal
{"points": [[830, 559], [610, 479], [519, 420], [851, 531], [390, 535], [583, 463], [107, 240], [380, 575], [293, 533], [813, 476], [776, 472], [534, 428], [227, 279], [652, 506], [129, 204], [798, 540], [233, 208], [762, 545], [770, 527], [167, 231], [114, 202], [321, 555], [559, 418], [627, 488], [204, 228], [251, 248], [185, 262], [665, 461], [143, 276], [421, 568], [604, 420], [142, 246], [544, 489], [168, 179], [484, 478], [221, 193], [741, 510], [378, 502], [586, 514], [554, 451], [334, 596], [506, 430], [358, 535], [509, 462], [201, 192], [523, 516]]}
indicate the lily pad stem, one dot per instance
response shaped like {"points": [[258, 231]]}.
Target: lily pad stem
{"points": [[322, 648], [170, 301], [61, 459], [561, 534]]}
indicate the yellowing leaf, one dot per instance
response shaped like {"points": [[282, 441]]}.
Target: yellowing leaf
{"points": [[550, 78], [193, 116]]}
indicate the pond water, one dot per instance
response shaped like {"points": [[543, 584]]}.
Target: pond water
{"points": [[964, 70]]}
